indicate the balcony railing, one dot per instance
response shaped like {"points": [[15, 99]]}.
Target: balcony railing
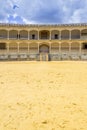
{"points": [[28, 38], [23, 38], [3, 37]]}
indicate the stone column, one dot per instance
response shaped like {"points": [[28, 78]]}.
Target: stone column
{"points": [[18, 47], [59, 35], [70, 47], [60, 52], [38, 47], [70, 35], [7, 47], [28, 35], [80, 34], [50, 35], [18, 35], [47, 57], [70, 50], [28, 47], [59, 47], [8, 35], [50, 47], [38, 35], [80, 47]]}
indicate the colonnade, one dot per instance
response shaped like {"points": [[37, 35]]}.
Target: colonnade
{"points": [[43, 34], [56, 47]]}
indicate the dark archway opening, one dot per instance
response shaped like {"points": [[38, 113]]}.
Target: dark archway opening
{"points": [[2, 46], [44, 34], [44, 49], [85, 46]]}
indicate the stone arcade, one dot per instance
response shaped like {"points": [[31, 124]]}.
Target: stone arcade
{"points": [[43, 42]]}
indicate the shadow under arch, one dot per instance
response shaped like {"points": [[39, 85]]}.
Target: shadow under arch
{"points": [[44, 34]]}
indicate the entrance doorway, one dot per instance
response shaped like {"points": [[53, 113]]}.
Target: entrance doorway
{"points": [[44, 52], [44, 49]]}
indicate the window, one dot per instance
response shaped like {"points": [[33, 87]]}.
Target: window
{"points": [[33, 36], [56, 36], [17, 36], [85, 46], [2, 46], [44, 35]]}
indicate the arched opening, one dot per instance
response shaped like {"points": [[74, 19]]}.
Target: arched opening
{"points": [[33, 48], [13, 34], [65, 34], [2, 46], [55, 34], [33, 35], [84, 34], [54, 47], [84, 46], [75, 34], [44, 34], [75, 47], [13, 47], [64, 47], [23, 47], [44, 48], [23, 34], [3, 34]]}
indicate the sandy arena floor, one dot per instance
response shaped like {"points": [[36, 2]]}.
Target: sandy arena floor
{"points": [[43, 95]]}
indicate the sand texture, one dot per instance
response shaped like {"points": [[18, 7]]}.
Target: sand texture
{"points": [[43, 95]]}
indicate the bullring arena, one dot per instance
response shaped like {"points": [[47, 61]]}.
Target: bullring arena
{"points": [[43, 42], [43, 95]]}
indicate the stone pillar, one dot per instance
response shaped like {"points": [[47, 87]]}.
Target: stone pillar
{"points": [[59, 47], [60, 52], [59, 35], [80, 47], [28, 47], [70, 35], [40, 57], [38, 47], [69, 50], [50, 47], [28, 35], [8, 35], [70, 47], [50, 35], [47, 57], [80, 34], [18, 47], [38, 35], [7, 47], [18, 35]]}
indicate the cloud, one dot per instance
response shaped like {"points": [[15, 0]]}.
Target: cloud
{"points": [[43, 11], [14, 18]]}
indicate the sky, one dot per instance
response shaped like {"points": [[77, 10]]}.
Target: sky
{"points": [[43, 11]]}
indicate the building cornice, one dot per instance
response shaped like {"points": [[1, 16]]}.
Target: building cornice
{"points": [[43, 25]]}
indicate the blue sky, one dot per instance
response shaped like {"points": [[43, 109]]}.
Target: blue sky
{"points": [[43, 11]]}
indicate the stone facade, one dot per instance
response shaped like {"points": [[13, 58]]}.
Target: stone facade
{"points": [[43, 42]]}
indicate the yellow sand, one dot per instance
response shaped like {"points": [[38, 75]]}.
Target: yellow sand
{"points": [[43, 95]]}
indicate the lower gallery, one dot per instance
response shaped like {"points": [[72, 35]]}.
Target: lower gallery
{"points": [[43, 42]]}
